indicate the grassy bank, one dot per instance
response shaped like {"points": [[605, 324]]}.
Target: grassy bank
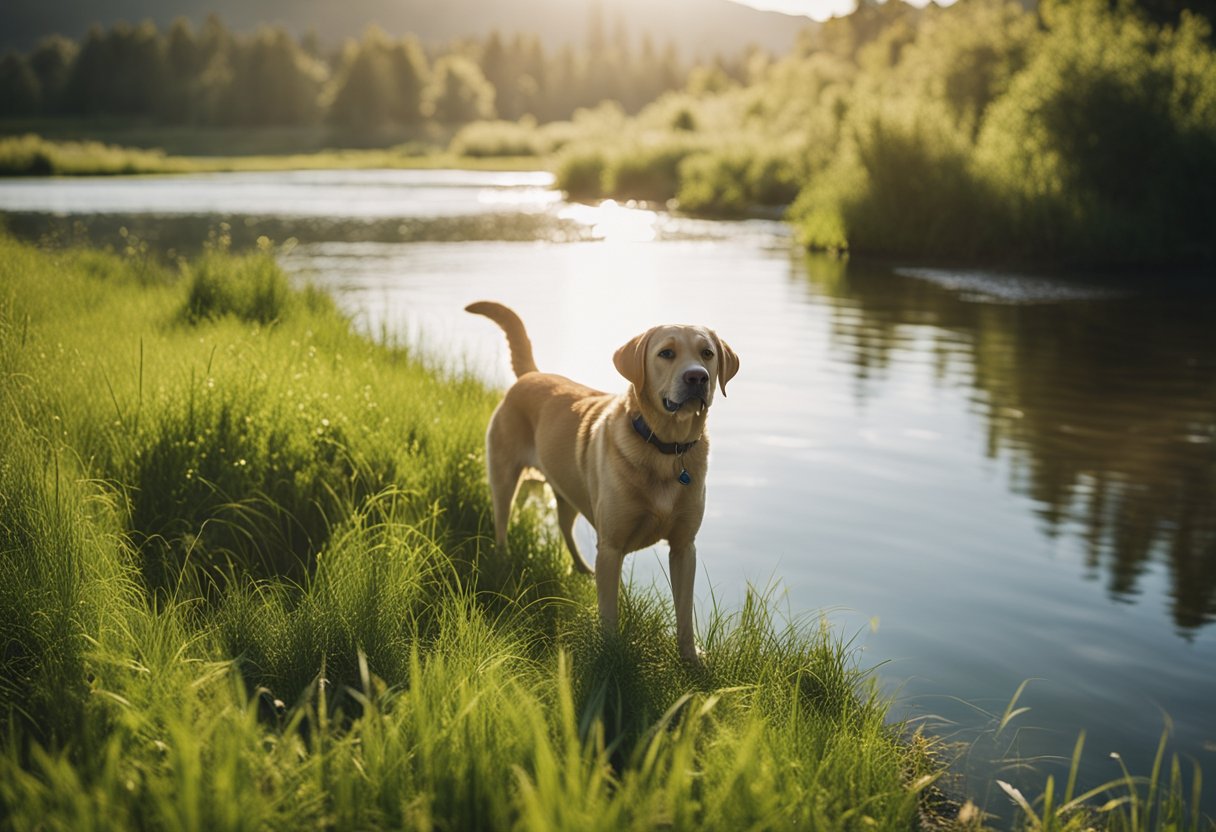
{"points": [[32, 155], [244, 582]]}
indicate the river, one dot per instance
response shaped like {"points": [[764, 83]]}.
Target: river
{"points": [[980, 478]]}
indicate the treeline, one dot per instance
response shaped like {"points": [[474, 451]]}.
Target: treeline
{"points": [[1075, 132], [213, 76]]}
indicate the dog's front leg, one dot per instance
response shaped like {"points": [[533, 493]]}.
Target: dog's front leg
{"points": [[682, 561], [608, 560]]}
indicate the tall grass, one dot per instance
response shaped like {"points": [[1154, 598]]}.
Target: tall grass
{"points": [[245, 583], [32, 155]]}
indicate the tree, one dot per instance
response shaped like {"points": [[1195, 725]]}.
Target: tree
{"points": [[19, 91], [136, 82], [276, 82], [407, 64], [83, 92], [51, 62], [459, 93], [365, 90]]}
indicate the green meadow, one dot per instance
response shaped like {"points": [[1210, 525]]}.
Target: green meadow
{"points": [[246, 582]]}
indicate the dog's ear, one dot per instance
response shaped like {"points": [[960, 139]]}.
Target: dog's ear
{"points": [[630, 360], [728, 362]]}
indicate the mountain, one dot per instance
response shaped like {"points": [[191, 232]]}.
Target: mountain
{"points": [[699, 28]]}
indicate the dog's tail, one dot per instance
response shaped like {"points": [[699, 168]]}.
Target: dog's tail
{"points": [[517, 337]]}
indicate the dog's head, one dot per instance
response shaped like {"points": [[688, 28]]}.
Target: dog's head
{"points": [[674, 369]]}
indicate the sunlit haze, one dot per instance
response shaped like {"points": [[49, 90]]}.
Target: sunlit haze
{"points": [[819, 9]]}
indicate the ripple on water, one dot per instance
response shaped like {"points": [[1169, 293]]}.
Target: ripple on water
{"points": [[1008, 287]]}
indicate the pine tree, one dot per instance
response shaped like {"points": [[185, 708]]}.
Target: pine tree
{"points": [[19, 91], [459, 92]]}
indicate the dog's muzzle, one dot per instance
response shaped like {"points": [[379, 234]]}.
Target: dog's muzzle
{"points": [[694, 387]]}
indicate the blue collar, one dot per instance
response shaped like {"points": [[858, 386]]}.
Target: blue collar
{"points": [[644, 431]]}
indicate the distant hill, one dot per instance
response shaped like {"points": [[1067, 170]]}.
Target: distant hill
{"points": [[700, 28]]}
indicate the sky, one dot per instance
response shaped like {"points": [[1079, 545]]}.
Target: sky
{"points": [[818, 9]]}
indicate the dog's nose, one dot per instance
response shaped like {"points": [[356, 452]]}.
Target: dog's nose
{"points": [[696, 377]]}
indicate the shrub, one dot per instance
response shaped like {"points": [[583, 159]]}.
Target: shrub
{"points": [[714, 183], [251, 287], [648, 172], [580, 172], [905, 186], [1105, 145], [499, 138], [31, 155], [735, 180]]}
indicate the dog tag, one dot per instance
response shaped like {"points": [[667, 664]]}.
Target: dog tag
{"points": [[685, 479]]}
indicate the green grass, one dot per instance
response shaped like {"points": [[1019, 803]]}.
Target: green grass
{"points": [[32, 155], [245, 583], [214, 494]]}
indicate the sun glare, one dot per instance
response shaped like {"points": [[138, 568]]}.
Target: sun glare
{"points": [[819, 9], [615, 223]]}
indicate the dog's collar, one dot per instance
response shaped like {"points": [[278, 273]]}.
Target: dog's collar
{"points": [[644, 431]]}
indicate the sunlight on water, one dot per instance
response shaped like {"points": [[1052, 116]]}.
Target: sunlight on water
{"points": [[614, 223]]}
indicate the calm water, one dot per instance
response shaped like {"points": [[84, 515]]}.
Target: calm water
{"points": [[980, 478]]}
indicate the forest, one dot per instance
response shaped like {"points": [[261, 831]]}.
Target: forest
{"points": [[214, 76]]}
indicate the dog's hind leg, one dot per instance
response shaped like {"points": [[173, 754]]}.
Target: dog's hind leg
{"points": [[504, 482], [566, 515], [504, 468]]}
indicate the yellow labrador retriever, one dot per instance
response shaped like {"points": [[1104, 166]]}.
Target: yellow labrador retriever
{"points": [[634, 465]]}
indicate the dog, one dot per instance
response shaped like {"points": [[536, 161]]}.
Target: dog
{"points": [[633, 464]]}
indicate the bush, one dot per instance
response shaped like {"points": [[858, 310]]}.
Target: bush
{"points": [[1104, 147], [250, 287], [499, 138], [904, 187], [580, 172], [648, 172], [735, 180], [715, 183], [32, 155]]}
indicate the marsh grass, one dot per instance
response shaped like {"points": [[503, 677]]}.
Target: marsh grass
{"points": [[33, 155], [246, 583]]}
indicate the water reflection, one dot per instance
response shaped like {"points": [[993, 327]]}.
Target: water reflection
{"points": [[1104, 403]]}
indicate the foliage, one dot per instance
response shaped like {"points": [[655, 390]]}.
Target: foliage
{"points": [[381, 81], [213, 76], [580, 172], [1104, 147], [459, 92], [19, 87], [33, 156], [489, 139], [648, 171], [737, 179], [904, 186]]}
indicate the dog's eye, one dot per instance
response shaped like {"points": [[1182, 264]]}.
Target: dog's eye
{"points": [[667, 354], [707, 354]]}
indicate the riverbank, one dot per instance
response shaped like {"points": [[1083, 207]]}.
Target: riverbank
{"points": [[245, 580], [32, 155]]}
